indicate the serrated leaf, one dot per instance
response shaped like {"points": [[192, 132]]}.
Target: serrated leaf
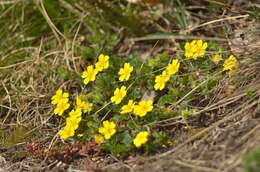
{"points": [[166, 99]]}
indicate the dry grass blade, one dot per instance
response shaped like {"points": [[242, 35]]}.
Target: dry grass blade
{"points": [[56, 31], [218, 20], [195, 167], [7, 2], [177, 37], [213, 126]]}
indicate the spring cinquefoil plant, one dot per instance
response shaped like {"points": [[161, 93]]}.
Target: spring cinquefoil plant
{"points": [[115, 116]]}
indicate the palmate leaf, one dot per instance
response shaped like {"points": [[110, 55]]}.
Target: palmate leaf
{"points": [[165, 99]]}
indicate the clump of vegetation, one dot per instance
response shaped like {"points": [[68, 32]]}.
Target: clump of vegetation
{"points": [[122, 120]]}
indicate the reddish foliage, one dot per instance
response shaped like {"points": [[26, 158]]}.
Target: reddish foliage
{"points": [[91, 149], [36, 150], [66, 154]]}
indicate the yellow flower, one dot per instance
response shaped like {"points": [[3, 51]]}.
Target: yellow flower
{"points": [[59, 96], [173, 67], [74, 118], [195, 49], [85, 106], [231, 64], [119, 94], [73, 122], [89, 74], [67, 132], [143, 107], [128, 108], [61, 107], [125, 72], [64, 134], [141, 138], [103, 63], [75, 113], [189, 49], [201, 48], [216, 58], [160, 80], [98, 139], [80, 135], [108, 129]]}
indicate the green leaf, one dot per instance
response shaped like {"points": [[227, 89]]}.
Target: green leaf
{"points": [[166, 99], [131, 125], [120, 117], [64, 73], [127, 139], [117, 148], [96, 96], [160, 137], [159, 61], [251, 161]]}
